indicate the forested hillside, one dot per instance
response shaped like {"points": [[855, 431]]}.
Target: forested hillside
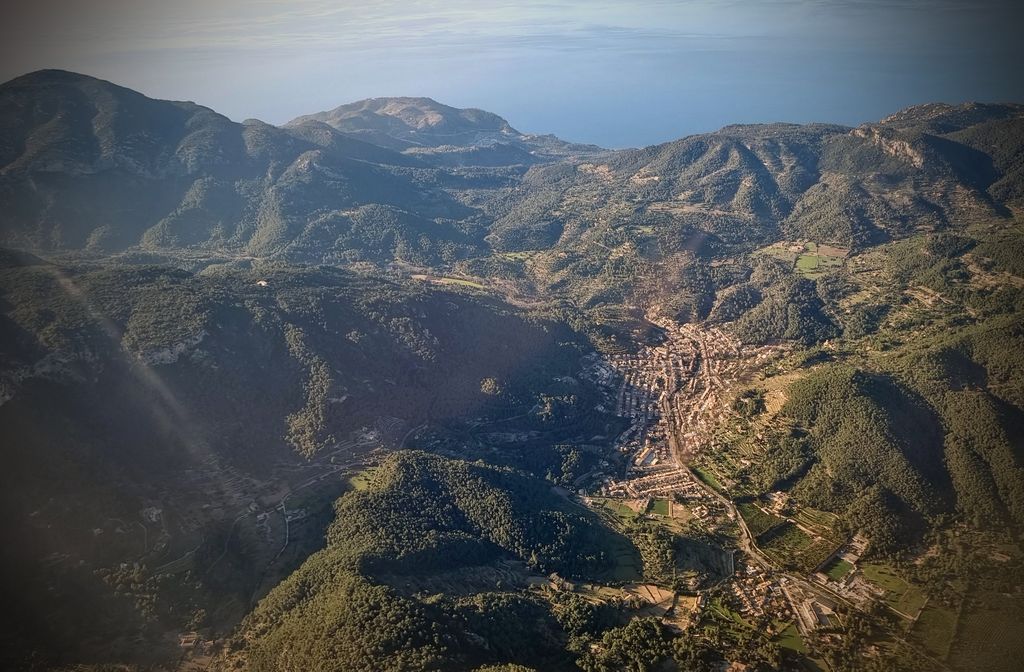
{"points": [[368, 600], [421, 515], [128, 388]]}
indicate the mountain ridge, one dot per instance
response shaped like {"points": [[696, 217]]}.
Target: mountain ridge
{"points": [[202, 181]]}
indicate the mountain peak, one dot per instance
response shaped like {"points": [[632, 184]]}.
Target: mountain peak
{"points": [[52, 75], [412, 121], [55, 79], [420, 124]]}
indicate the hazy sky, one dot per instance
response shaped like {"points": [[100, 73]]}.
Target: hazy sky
{"points": [[612, 73]]}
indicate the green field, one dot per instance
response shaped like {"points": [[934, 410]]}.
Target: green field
{"points": [[522, 255], [785, 544], [628, 565], [837, 569], [786, 537], [790, 639], [812, 260], [660, 507], [935, 629], [807, 263], [899, 594], [460, 281], [716, 607], [614, 507], [779, 251], [794, 548]]}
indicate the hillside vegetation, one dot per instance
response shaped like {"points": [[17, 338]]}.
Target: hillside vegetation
{"points": [[423, 515], [129, 387]]}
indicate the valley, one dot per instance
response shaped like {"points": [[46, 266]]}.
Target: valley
{"points": [[398, 387]]}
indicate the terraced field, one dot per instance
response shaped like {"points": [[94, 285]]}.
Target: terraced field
{"points": [[757, 520], [790, 546]]}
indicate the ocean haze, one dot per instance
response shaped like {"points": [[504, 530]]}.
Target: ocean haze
{"points": [[611, 73]]}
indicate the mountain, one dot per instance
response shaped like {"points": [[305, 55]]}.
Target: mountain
{"points": [[645, 226], [838, 185], [396, 386], [150, 415], [87, 165], [424, 127], [424, 520]]}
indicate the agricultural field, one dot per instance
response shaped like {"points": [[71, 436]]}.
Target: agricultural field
{"points": [[614, 507], [900, 595], [681, 613], [783, 251], [659, 600], [935, 629], [521, 255], [784, 542], [672, 516], [628, 565], [445, 280], [707, 477], [718, 609], [807, 258], [459, 281], [815, 519], [680, 515], [787, 536], [988, 637]]}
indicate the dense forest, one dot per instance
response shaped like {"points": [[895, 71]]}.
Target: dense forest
{"points": [[422, 515]]}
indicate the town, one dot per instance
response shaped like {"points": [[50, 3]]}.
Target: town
{"points": [[675, 394]]}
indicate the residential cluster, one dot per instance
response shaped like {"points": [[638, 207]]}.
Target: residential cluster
{"points": [[674, 395]]}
